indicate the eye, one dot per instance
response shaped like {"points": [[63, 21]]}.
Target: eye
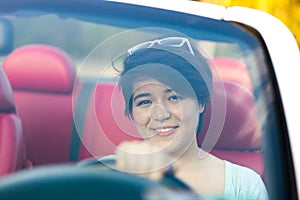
{"points": [[143, 102], [175, 98]]}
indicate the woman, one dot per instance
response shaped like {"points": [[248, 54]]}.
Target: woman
{"points": [[166, 84]]}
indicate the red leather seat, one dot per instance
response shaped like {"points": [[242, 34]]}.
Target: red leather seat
{"points": [[42, 78], [106, 124], [12, 148], [230, 69], [239, 140]]}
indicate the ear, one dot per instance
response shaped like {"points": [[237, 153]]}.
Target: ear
{"points": [[201, 108]]}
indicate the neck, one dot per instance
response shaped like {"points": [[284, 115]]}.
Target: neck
{"points": [[189, 156]]}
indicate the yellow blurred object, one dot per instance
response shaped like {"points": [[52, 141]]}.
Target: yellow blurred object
{"points": [[288, 11]]}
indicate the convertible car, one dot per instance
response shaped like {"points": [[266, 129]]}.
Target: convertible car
{"points": [[61, 110]]}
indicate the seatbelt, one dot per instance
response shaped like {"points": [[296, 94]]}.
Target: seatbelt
{"points": [[79, 119]]}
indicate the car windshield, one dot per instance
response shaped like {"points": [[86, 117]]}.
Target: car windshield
{"points": [[96, 39]]}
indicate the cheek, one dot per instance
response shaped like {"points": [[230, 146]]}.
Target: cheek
{"points": [[184, 111], [189, 111], [176, 110], [140, 116]]}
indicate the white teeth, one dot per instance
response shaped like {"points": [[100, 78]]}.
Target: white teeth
{"points": [[163, 130]]}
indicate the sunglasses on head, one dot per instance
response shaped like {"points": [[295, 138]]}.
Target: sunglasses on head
{"points": [[166, 42]]}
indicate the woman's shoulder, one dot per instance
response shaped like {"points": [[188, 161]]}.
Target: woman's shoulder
{"points": [[243, 183], [237, 170], [240, 175]]}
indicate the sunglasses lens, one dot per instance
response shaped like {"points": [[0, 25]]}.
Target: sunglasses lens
{"points": [[172, 42]]}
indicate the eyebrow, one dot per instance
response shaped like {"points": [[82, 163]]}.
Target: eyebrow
{"points": [[148, 94], [141, 95]]}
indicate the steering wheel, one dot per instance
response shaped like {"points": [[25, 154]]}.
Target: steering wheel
{"points": [[108, 163], [86, 181], [70, 182]]}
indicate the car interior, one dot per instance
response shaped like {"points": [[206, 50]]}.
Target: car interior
{"points": [[32, 90]]}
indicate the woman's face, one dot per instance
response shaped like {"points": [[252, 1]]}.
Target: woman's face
{"points": [[164, 117]]}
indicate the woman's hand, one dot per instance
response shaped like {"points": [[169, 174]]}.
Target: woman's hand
{"points": [[142, 158]]}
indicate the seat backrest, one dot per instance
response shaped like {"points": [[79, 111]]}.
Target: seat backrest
{"points": [[12, 148], [230, 69], [106, 124], [42, 78], [240, 138]]}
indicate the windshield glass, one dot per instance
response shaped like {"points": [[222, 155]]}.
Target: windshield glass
{"points": [[97, 40]]}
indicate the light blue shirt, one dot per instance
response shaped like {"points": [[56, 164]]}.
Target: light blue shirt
{"points": [[242, 183]]}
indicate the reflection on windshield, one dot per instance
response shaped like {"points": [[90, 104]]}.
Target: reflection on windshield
{"points": [[93, 46]]}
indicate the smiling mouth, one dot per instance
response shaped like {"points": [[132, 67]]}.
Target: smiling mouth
{"points": [[165, 131]]}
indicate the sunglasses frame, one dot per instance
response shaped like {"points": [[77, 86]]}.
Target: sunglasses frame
{"points": [[162, 42]]}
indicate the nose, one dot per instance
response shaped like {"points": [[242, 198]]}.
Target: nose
{"points": [[160, 112]]}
